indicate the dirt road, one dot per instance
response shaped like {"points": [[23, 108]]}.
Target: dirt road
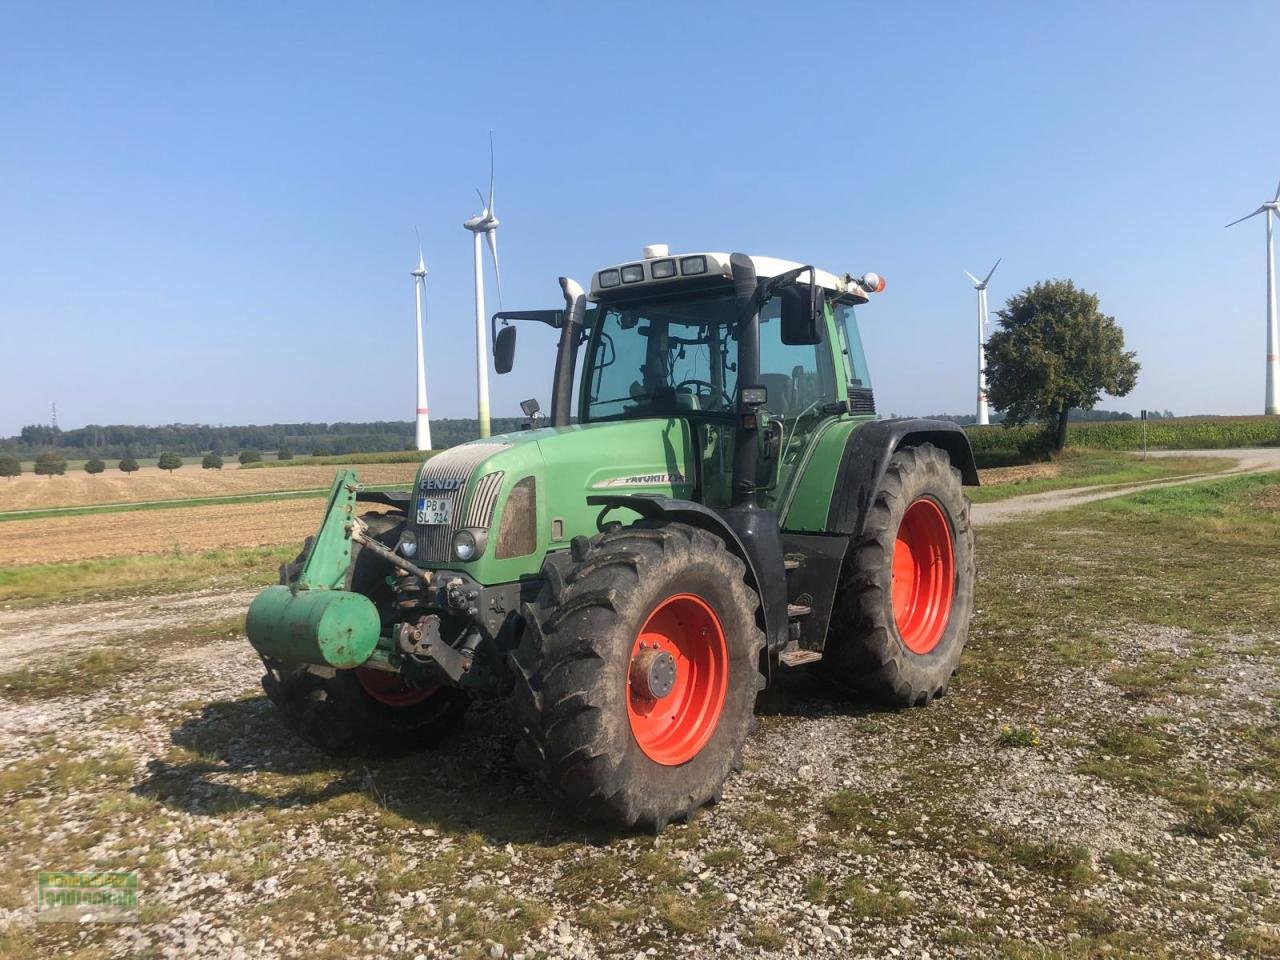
{"points": [[1247, 461]]}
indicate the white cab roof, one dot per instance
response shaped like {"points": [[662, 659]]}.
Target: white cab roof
{"points": [[716, 265]]}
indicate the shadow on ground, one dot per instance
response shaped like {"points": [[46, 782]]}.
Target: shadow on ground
{"points": [[236, 755]]}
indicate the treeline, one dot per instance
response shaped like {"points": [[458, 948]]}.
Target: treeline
{"points": [[194, 439], [1076, 416]]}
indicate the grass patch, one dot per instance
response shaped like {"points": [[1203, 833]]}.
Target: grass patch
{"points": [[1018, 737], [1088, 468], [150, 573], [69, 675]]}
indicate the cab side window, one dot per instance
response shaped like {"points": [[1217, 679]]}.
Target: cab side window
{"points": [[797, 376]]}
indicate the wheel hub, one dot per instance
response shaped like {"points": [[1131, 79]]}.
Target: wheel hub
{"points": [[653, 673], [677, 679]]}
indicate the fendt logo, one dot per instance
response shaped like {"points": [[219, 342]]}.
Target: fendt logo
{"points": [[432, 483]]}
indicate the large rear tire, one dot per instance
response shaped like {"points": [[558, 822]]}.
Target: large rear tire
{"points": [[362, 712], [902, 609], [636, 677]]}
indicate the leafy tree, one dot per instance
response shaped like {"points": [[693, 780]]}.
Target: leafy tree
{"points": [[94, 467], [10, 466], [48, 464], [211, 461], [170, 462], [128, 465], [1055, 350], [250, 456], [284, 453]]}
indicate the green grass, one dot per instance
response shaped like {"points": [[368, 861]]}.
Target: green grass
{"points": [[69, 675], [1181, 433], [152, 573], [393, 456], [1079, 468]]}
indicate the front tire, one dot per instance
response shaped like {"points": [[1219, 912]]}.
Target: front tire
{"points": [[902, 609], [636, 678], [362, 712]]}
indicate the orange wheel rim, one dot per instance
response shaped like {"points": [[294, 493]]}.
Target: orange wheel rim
{"points": [[924, 576], [677, 679], [391, 688]]}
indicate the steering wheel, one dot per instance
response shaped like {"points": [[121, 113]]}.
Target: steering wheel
{"points": [[711, 391]]}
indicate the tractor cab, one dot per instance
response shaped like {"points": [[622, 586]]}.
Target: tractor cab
{"points": [[662, 339]]}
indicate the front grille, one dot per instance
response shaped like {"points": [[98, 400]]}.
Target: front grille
{"points": [[861, 400], [454, 467]]}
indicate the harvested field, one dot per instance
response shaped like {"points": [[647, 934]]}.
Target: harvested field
{"points": [[177, 530], [30, 492]]}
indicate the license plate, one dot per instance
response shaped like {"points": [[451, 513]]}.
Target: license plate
{"points": [[434, 512]]}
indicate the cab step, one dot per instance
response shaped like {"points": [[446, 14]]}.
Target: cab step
{"points": [[795, 610], [797, 658], [791, 563]]}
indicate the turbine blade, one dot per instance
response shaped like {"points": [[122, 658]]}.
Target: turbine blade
{"points": [[481, 196], [972, 277], [490, 207], [492, 237], [1243, 219], [1277, 196], [992, 270]]}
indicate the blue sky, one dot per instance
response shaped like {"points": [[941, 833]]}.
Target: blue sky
{"points": [[207, 212]]}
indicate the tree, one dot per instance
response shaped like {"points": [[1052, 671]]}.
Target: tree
{"points": [[211, 461], [284, 453], [250, 456], [128, 465], [169, 461], [48, 464], [1055, 351], [94, 466], [10, 466]]}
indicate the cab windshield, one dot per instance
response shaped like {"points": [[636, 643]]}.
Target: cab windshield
{"points": [[663, 358]]}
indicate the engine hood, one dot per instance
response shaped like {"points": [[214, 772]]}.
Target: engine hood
{"points": [[529, 489]]}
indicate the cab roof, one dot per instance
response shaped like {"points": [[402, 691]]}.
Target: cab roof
{"points": [[665, 273]]}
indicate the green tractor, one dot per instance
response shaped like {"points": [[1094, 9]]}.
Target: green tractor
{"points": [[725, 507]]}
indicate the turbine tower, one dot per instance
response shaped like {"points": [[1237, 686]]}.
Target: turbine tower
{"points": [[981, 286], [422, 432], [1271, 208], [486, 224]]}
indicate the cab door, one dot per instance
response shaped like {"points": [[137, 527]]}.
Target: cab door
{"points": [[801, 380]]}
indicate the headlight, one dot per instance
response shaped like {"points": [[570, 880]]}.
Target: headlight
{"points": [[693, 265], [661, 269], [468, 543], [633, 273], [608, 278]]}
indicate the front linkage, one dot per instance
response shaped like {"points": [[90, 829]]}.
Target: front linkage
{"points": [[363, 646]]}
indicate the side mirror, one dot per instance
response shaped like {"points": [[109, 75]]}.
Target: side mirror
{"points": [[803, 310], [504, 349]]}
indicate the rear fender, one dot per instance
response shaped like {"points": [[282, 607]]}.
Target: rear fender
{"points": [[866, 457]]}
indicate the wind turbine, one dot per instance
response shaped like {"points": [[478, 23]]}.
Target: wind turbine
{"points": [[422, 432], [981, 286], [487, 224], [1272, 207]]}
